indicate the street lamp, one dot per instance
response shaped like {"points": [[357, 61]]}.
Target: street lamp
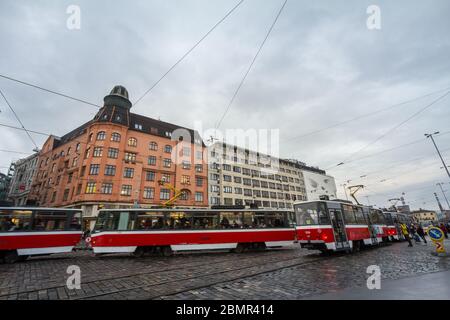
{"points": [[443, 193], [430, 135]]}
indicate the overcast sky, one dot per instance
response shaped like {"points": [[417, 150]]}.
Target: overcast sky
{"points": [[320, 66]]}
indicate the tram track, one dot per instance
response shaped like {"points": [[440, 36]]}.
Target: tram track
{"points": [[211, 283], [247, 261]]}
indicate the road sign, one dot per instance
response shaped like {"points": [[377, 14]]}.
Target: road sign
{"points": [[436, 234]]}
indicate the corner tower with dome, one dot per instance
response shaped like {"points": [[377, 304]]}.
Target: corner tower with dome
{"points": [[116, 160]]}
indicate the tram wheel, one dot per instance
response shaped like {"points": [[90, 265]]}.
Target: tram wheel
{"points": [[139, 252], [11, 257], [166, 251], [356, 246], [240, 248], [22, 258]]}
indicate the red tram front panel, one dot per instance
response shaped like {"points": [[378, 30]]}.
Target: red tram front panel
{"points": [[179, 240], [32, 243]]}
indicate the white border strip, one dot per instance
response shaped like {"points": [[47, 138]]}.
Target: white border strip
{"points": [[40, 233], [34, 251]]}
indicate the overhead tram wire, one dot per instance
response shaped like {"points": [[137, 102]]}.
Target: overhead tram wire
{"points": [[18, 128], [18, 119], [49, 91], [189, 51], [11, 151], [365, 115], [391, 130], [218, 124]]}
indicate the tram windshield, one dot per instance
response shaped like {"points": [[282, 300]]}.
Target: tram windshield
{"points": [[30, 219], [191, 220], [389, 218], [314, 213], [377, 217]]}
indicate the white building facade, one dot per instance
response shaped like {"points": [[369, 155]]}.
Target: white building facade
{"points": [[22, 179], [239, 176]]}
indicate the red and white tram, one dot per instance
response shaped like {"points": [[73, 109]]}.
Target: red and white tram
{"points": [[139, 231], [377, 220], [392, 228], [37, 231], [332, 226]]}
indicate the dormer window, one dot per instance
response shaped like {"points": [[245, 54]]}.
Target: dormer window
{"points": [[138, 126], [118, 118]]}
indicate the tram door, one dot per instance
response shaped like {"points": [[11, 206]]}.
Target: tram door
{"points": [[340, 236]]}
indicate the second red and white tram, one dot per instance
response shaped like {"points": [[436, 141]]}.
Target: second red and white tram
{"points": [[37, 231], [139, 231], [333, 226]]}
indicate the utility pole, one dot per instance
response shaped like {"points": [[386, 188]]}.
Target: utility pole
{"points": [[443, 193], [430, 135], [440, 206]]}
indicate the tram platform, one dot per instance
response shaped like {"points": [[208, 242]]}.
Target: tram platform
{"points": [[431, 286]]}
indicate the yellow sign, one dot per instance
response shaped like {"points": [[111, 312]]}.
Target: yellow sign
{"points": [[437, 236]]}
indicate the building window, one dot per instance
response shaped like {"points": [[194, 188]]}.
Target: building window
{"points": [[77, 147], [237, 180], [150, 176], [130, 156], [184, 195], [227, 167], [199, 196], [226, 178], [152, 161], [198, 168], [110, 170], [168, 149], [199, 182], [167, 163], [185, 179], [91, 187], [238, 190], [138, 126], [128, 173], [186, 151], [164, 194], [101, 135], [69, 178], [113, 153], [94, 169], [66, 195], [149, 193], [98, 152], [126, 190], [132, 142], [90, 137], [227, 189], [87, 153], [186, 165], [165, 178], [153, 146], [107, 188], [199, 155], [115, 137], [53, 197]]}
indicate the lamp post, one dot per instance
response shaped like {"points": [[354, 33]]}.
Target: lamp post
{"points": [[443, 193], [430, 135]]}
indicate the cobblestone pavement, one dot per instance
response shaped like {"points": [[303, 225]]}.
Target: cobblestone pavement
{"points": [[289, 273]]}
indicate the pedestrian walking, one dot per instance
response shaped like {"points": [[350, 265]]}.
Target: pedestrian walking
{"points": [[413, 232], [421, 233], [444, 230], [405, 233]]}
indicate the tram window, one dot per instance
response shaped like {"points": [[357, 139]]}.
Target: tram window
{"points": [[275, 220], [75, 221], [248, 221], [205, 220], [150, 220], [180, 220], [49, 221], [230, 220], [259, 220], [114, 221], [359, 214], [15, 220], [388, 218], [349, 215], [311, 214]]}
